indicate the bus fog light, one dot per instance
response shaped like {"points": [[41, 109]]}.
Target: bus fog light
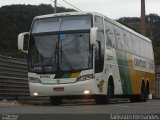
{"points": [[86, 92], [35, 94]]}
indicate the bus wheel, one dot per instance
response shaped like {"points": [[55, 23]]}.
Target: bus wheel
{"points": [[100, 99], [110, 90], [143, 97], [147, 89], [55, 100], [109, 93]]}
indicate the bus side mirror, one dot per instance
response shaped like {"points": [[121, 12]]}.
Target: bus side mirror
{"points": [[21, 41], [93, 35]]}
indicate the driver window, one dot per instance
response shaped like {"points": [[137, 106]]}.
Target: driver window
{"points": [[100, 45]]}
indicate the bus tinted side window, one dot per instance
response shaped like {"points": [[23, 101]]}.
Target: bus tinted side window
{"points": [[127, 41], [119, 37], [148, 53], [110, 38], [100, 46], [135, 44], [146, 49], [141, 47]]}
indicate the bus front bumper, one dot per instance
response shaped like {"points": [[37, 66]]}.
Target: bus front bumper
{"points": [[82, 88]]}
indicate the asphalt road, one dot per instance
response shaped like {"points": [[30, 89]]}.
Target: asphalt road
{"points": [[116, 107]]}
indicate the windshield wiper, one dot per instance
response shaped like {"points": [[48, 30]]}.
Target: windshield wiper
{"points": [[52, 59], [65, 59]]}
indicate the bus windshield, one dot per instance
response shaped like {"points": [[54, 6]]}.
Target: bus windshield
{"points": [[52, 50], [61, 52]]}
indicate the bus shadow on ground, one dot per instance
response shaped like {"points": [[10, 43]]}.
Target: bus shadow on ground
{"points": [[92, 102], [76, 102]]}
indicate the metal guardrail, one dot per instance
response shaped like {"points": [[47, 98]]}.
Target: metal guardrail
{"points": [[13, 77]]}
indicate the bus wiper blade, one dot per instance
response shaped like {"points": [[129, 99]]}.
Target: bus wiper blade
{"points": [[48, 63], [52, 58], [66, 60]]}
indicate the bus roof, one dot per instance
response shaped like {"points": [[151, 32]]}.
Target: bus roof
{"points": [[94, 14]]}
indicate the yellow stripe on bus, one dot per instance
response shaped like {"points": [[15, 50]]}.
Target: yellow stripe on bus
{"points": [[74, 75]]}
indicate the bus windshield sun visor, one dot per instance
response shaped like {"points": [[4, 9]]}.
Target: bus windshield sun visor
{"points": [[61, 24]]}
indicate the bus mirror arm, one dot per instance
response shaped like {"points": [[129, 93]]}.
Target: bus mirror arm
{"points": [[21, 37], [93, 35]]}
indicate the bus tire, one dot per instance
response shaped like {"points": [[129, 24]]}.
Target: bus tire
{"points": [[143, 97], [110, 90], [147, 89], [55, 100]]}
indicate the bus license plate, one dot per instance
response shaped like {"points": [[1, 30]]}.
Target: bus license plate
{"points": [[58, 89]]}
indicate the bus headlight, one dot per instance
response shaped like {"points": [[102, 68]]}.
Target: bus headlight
{"points": [[35, 94], [85, 77], [34, 80], [86, 92]]}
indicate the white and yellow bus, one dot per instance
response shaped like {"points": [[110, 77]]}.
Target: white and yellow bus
{"points": [[87, 55]]}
